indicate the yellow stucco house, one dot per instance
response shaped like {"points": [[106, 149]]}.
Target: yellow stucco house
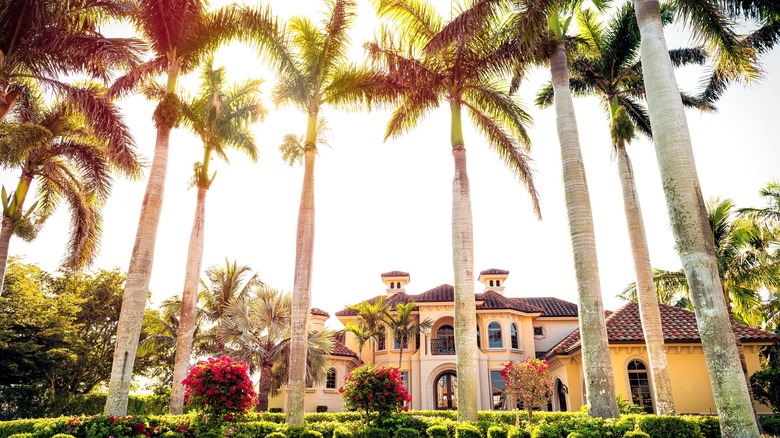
{"points": [[513, 328]]}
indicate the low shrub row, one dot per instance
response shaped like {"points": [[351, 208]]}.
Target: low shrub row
{"points": [[425, 424]]}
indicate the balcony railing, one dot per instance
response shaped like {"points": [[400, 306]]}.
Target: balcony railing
{"points": [[442, 346]]}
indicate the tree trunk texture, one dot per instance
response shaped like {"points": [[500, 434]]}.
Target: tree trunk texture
{"points": [[301, 295], [463, 267], [6, 231], [649, 310], [692, 232], [189, 304], [597, 362], [10, 99], [137, 284], [263, 388]]}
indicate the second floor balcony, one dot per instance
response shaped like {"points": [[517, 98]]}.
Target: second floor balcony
{"points": [[443, 346]]}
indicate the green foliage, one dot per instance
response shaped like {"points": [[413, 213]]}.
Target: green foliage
{"points": [[311, 434], [374, 390], [770, 424], [250, 429], [622, 128], [62, 435], [708, 425], [497, 432], [467, 430], [376, 432], [627, 407], [21, 435], [295, 431], [529, 381], [766, 387], [406, 432], [518, 432], [274, 435], [636, 434], [662, 426], [168, 112], [438, 431], [344, 432]]}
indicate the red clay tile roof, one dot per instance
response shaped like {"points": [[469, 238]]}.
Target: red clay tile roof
{"points": [[493, 271], [493, 300], [395, 274], [320, 312], [679, 326], [551, 306], [392, 300], [339, 349]]}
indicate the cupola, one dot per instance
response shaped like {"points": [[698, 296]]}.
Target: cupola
{"points": [[317, 318], [493, 279], [395, 281]]}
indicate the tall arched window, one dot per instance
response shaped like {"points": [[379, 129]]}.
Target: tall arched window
{"points": [[498, 283], [639, 383], [330, 380], [491, 283], [392, 285], [513, 338], [494, 335], [398, 285], [479, 340], [380, 341]]}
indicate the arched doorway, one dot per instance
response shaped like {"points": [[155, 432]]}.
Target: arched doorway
{"points": [[560, 392], [445, 390]]}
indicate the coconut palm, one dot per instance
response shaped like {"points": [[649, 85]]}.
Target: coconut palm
{"points": [[404, 326], [370, 322], [256, 330], [462, 74], [685, 204], [223, 284], [318, 76], [222, 118], [180, 33], [68, 156], [608, 67]]}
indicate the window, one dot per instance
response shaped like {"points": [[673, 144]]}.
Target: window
{"points": [[392, 285], [405, 381], [491, 282], [513, 336], [380, 341], [494, 335], [397, 342], [479, 343], [398, 285], [417, 341], [640, 385], [330, 380], [497, 388], [539, 332], [498, 283]]}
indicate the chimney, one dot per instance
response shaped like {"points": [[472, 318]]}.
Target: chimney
{"points": [[395, 281], [493, 279], [317, 319]]}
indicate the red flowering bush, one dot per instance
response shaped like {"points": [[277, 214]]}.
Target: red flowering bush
{"points": [[220, 387], [380, 390], [528, 381]]}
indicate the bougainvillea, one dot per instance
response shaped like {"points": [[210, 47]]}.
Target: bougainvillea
{"points": [[375, 390], [220, 387], [528, 381]]}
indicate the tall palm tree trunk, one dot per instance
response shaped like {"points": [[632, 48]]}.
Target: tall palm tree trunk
{"points": [[142, 259], [263, 388], [189, 304], [692, 233], [301, 294], [597, 363], [7, 228], [649, 311], [400, 354], [8, 102], [463, 267]]}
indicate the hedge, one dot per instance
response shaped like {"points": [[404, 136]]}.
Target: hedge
{"points": [[16, 403]]}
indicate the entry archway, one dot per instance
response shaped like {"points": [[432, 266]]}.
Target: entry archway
{"points": [[445, 390]]}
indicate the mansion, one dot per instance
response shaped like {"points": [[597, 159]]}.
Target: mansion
{"points": [[514, 328]]}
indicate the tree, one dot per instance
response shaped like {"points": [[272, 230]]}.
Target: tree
{"points": [[528, 381], [361, 337], [371, 315], [404, 326], [318, 75], [70, 156], [223, 284], [180, 33], [685, 204], [462, 74], [257, 331], [222, 118]]}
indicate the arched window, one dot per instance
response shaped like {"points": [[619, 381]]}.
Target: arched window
{"points": [[479, 340], [513, 336], [380, 341], [494, 335], [398, 285], [491, 282], [498, 283], [330, 380], [392, 285], [639, 383]]}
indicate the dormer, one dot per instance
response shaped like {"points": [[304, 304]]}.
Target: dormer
{"points": [[395, 281], [317, 318], [493, 279]]}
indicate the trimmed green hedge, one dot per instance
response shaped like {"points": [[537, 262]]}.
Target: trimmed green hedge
{"points": [[20, 403]]}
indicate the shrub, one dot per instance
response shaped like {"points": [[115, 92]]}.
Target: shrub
{"points": [[62, 435], [467, 431], [708, 425], [529, 381], [379, 390], [21, 435], [766, 387], [251, 429], [770, 424], [342, 432], [311, 434], [497, 432], [376, 432], [635, 434], [438, 431], [662, 426], [406, 432], [322, 408], [275, 435], [220, 387], [518, 432]]}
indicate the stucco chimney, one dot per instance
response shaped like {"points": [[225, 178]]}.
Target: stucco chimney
{"points": [[395, 281], [493, 279], [317, 319]]}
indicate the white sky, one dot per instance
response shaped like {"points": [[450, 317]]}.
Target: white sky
{"points": [[387, 206]]}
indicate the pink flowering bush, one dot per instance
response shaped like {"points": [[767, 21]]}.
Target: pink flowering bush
{"points": [[220, 387], [528, 381], [375, 390]]}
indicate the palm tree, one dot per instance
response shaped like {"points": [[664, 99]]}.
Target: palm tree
{"points": [[361, 337], [180, 33], [685, 204], [222, 118], [460, 73], [223, 284], [67, 155], [257, 331], [370, 322], [608, 67], [319, 75], [404, 326]]}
